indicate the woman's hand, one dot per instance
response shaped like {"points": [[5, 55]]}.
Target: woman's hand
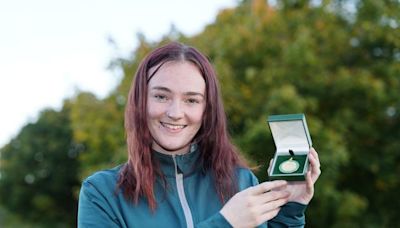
{"points": [[303, 191], [255, 205]]}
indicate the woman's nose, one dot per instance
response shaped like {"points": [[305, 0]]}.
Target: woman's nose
{"points": [[175, 110]]}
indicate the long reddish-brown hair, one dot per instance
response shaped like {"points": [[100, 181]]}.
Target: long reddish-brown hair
{"points": [[218, 154]]}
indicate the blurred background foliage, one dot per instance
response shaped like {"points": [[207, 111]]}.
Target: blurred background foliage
{"points": [[337, 61]]}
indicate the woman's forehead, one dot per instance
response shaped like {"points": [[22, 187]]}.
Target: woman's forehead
{"points": [[180, 76]]}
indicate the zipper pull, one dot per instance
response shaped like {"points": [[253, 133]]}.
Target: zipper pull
{"points": [[175, 164]]}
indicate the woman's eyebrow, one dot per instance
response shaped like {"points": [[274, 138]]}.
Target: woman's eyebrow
{"points": [[161, 88], [165, 89], [194, 94]]}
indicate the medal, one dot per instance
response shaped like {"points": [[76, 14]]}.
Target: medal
{"points": [[289, 166]]}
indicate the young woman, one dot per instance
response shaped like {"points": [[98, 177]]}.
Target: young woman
{"points": [[183, 170]]}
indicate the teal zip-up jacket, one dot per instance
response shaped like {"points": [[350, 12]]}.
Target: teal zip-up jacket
{"points": [[190, 199]]}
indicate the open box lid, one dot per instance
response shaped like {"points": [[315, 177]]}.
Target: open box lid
{"points": [[290, 132]]}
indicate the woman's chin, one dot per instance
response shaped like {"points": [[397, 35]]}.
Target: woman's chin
{"points": [[171, 148]]}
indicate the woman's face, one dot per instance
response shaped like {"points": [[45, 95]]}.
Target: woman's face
{"points": [[175, 106]]}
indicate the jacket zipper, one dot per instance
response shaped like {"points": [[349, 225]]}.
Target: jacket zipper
{"points": [[182, 196]]}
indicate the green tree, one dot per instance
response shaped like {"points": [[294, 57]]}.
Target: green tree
{"points": [[97, 126], [39, 172]]}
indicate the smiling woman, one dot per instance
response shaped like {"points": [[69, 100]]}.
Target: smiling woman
{"points": [[183, 170], [175, 105]]}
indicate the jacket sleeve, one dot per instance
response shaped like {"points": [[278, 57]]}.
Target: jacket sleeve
{"points": [[217, 220], [93, 209], [290, 215]]}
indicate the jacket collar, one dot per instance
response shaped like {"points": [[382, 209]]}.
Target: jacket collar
{"points": [[185, 164]]}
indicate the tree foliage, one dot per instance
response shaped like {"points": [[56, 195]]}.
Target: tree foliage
{"points": [[39, 172], [97, 126]]}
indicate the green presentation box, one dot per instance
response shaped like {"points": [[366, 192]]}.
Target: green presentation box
{"points": [[293, 142]]}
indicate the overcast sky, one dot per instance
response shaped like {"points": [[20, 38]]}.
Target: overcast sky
{"points": [[50, 49]]}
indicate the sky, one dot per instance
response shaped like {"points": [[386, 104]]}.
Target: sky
{"points": [[50, 49]]}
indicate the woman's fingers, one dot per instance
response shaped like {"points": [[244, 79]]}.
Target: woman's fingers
{"points": [[269, 209], [314, 154], [267, 186], [315, 165], [272, 205], [272, 196], [309, 183], [255, 205]]}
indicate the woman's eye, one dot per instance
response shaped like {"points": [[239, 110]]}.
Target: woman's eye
{"points": [[192, 101], [160, 97]]}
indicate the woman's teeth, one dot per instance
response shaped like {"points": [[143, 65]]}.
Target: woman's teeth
{"points": [[173, 127]]}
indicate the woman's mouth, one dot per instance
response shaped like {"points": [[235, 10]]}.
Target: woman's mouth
{"points": [[173, 127]]}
